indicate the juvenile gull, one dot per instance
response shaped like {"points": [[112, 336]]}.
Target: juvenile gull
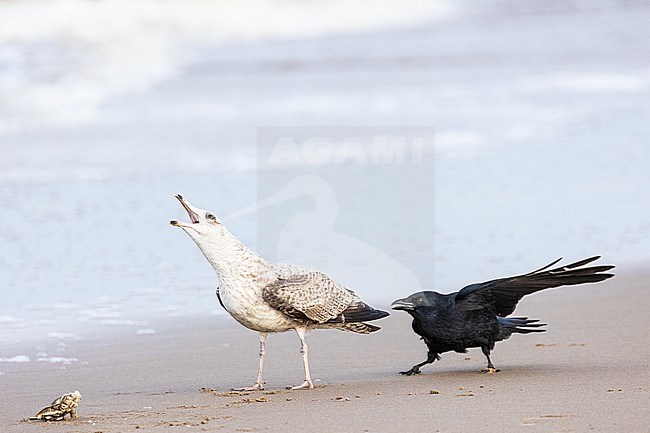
{"points": [[271, 297]]}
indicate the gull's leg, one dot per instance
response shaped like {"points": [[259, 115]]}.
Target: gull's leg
{"points": [[307, 384], [259, 384], [490, 367]]}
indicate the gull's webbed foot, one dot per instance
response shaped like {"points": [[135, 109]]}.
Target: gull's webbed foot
{"points": [[307, 384], [258, 386]]}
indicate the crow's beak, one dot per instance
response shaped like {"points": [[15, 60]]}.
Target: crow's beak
{"points": [[402, 304]]}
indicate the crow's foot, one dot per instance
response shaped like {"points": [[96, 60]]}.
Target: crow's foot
{"points": [[411, 372], [490, 370]]}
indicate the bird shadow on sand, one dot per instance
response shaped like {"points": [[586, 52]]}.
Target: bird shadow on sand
{"points": [[544, 370]]}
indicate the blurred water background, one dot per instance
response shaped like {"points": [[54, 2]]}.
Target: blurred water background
{"points": [[540, 112]]}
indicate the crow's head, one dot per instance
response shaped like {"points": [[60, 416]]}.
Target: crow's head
{"points": [[416, 300]]}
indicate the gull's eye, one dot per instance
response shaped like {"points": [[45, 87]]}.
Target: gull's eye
{"points": [[210, 217]]}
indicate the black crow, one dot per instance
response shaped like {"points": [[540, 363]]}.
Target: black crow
{"points": [[476, 315]]}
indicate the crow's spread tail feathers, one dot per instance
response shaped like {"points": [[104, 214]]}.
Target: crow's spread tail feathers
{"points": [[517, 325]]}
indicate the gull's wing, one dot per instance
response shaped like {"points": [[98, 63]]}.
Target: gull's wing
{"points": [[309, 296], [504, 294]]}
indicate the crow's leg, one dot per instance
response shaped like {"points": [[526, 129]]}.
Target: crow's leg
{"points": [[490, 367], [431, 357], [259, 384]]}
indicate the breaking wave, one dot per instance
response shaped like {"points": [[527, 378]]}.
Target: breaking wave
{"points": [[60, 59]]}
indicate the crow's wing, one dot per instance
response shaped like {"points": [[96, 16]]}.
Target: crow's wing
{"points": [[309, 296], [504, 293]]}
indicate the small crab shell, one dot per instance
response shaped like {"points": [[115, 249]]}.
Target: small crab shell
{"points": [[60, 407]]}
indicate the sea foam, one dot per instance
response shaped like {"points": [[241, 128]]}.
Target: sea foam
{"points": [[60, 59], [16, 359]]}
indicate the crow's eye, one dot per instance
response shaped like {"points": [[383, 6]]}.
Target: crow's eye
{"points": [[210, 217]]}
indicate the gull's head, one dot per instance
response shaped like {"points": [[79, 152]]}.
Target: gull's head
{"points": [[203, 224], [217, 244]]}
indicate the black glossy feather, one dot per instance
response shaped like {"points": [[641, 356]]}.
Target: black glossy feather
{"points": [[505, 293], [475, 316]]}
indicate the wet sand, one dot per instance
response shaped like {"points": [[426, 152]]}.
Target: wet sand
{"points": [[588, 372]]}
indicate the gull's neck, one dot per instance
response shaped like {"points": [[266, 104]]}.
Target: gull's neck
{"points": [[231, 259]]}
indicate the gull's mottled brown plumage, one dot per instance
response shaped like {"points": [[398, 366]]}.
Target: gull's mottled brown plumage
{"points": [[312, 296], [273, 297]]}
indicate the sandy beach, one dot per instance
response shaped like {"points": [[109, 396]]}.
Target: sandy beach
{"points": [[587, 373], [435, 144]]}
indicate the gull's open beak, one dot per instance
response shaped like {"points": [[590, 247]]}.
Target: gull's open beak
{"points": [[402, 304], [194, 217]]}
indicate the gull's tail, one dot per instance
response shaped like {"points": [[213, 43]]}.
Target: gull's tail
{"points": [[359, 328], [361, 312], [352, 319]]}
